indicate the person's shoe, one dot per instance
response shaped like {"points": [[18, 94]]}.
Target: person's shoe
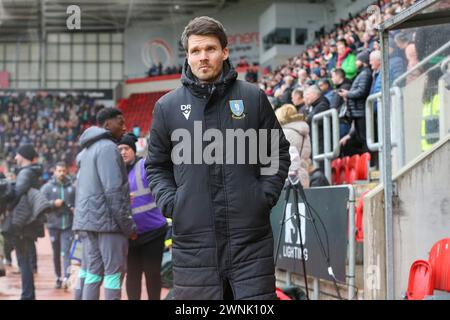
{"points": [[58, 284], [65, 283]]}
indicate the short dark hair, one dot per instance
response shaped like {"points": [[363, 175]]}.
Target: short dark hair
{"points": [[340, 73], [106, 114], [61, 164], [342, 40], [298, 92], [204, 26]]}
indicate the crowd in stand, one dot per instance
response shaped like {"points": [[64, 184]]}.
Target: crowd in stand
{"points": [[340, 71], [52, 124], [159, 70]]}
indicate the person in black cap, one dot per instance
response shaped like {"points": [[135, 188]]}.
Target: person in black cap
{"points": [[27, 177], [145, 253], [356, 102]]}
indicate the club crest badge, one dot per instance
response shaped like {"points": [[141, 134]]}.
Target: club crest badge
{"points": [[237, 109]]}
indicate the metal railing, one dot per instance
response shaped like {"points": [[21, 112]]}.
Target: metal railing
{"points": [[398, 125], [330, 131]]}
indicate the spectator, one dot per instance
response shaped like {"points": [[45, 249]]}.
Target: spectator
{"points": [[338, 103], [325, 87], [404, 42], [356, 101], [315, 103], [296, 131], [346, 59], [297, 99]]}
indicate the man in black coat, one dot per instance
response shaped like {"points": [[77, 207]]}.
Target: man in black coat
{"points": [[27, 177], [219, 199], [315, 103], [337, 102], [356, 102]]}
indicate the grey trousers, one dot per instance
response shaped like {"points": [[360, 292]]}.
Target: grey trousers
{"points": [[83, 268], [106, 261]]}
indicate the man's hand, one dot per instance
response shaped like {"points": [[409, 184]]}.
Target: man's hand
{"points": [[344, 140], [133, 236], [58, 203], [343, 93]]}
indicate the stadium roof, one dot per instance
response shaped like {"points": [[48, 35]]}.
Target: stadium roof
{"points": [[21, 16]]}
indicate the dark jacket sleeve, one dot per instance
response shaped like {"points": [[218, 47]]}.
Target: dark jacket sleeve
{"points": [[115, 187], [158, 164], [273, 180], [23, 183], [45, 189], [361, 86]]}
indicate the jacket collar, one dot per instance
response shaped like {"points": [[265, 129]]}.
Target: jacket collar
{"points": [[190, 81]]}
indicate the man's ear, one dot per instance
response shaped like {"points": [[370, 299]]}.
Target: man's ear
{"points": [[226, 53]]}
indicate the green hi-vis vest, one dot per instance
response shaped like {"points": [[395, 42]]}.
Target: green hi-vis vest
{"points": [[430, 123]]}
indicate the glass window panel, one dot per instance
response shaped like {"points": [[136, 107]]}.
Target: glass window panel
{"points": [[91, 71], [52, 84], [52, 37], [11, 68], [104, 37], [78, 85], [64, 38], [24, 69], [52, 70], [11, 51], [64, 71], [105, 71], [52, 52], [35, 52], [91, 52], [105, 85], [24, 51], [104, 52], [34, 70], [78, 38], [91, 37], [64, 84], [117, 37], [77, 52], [64, 52], [117, 52], [2, 52], [116, 71], [77, 70]]}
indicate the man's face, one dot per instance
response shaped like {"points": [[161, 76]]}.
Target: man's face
{"points": [[310, 97], [60, 173], [20, 160], [359, 64], [323, 86], [335, 78], [116, 126], [296, 99], [375, 63], [205, 56], [127, 153], [340, 48]]}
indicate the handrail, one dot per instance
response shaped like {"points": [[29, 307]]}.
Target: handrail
{"points": [[330, 153], [420, 64]]}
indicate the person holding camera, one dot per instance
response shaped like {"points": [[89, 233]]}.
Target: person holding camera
{"points": [[61, 193]]}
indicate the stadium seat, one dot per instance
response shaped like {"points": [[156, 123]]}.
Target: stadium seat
{"points": [[439, 259], [362, 170], [359, 218], [350, 171], [434, 274], [336, 171], [420, 283]]}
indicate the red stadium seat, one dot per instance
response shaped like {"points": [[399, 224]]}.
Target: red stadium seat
{"points": [[359, 218], [281, 295], [362, 170], [336, 171], [434, 274], [420, 283], [350, 172], [138, 108], [439, 259]]}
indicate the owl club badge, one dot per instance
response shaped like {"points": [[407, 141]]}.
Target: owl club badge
{"points": [[237, 109]]}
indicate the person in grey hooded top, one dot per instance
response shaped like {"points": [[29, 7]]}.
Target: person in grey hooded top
{"points": [[102, 206]]}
